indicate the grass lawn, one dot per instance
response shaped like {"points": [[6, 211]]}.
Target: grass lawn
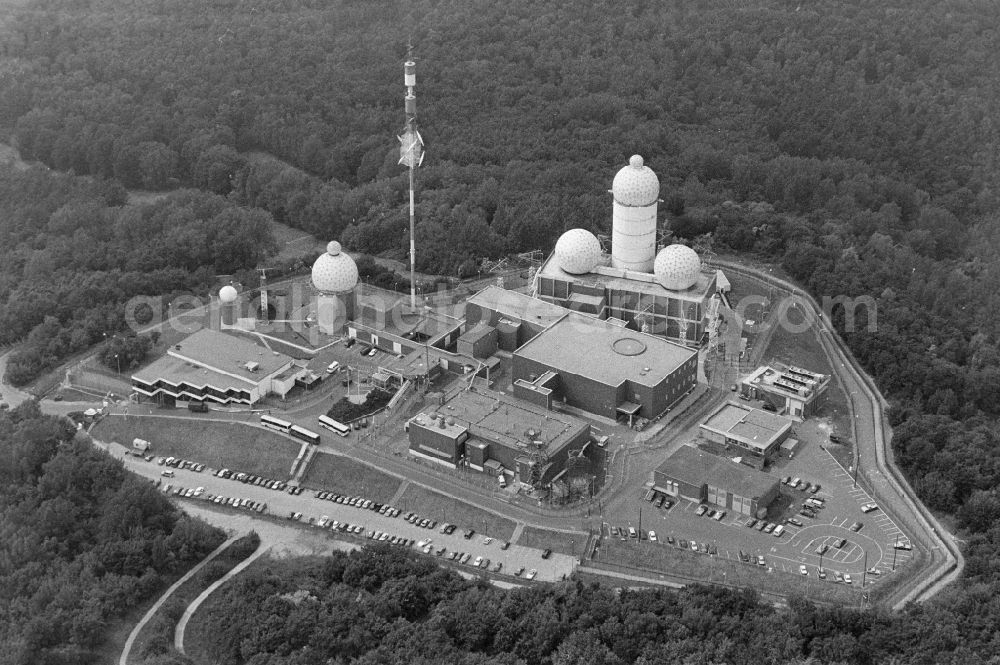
{"points": [[215, 444], [662, 558], [444, 509], [344, 475], [557, 541]]}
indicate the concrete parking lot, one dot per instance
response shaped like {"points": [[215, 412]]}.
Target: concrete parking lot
{"points": [[282, 504]]}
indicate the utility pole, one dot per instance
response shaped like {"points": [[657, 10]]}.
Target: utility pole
{"points": [[864, 573], [895, 548], [411, 153]]}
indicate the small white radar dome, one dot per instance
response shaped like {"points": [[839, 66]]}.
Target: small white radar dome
{"points": [[228, 293]]}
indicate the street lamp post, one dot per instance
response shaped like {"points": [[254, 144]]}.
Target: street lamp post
{"points": [[119, 363]]}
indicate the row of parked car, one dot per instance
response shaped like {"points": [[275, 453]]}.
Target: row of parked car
{"points": [[251, 479], [799, 484], [659, 500], [199, 493], [178, 463], [626, 533], [764, 526], [426, 546]]}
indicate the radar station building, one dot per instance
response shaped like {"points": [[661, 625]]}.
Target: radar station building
{"points": [[603, 368], [210, 366], [665, 294], [496, 434]]}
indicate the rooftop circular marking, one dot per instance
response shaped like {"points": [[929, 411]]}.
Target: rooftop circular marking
{"points": [[628, 346]]}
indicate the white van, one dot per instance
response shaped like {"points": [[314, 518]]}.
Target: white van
{"points": [[333, 367], [778, 530], [502, 479]]}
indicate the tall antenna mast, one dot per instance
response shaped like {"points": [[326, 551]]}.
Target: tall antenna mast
{"points": [[411, 153]]}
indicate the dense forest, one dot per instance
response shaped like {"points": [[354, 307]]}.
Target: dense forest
{"points": [[383, 606], [72, 255], [82, 541], [854, 144]]}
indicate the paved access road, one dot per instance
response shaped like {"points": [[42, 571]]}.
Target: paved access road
{"points": [[282, 504]]}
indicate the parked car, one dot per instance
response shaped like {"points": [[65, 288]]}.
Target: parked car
{"points": [[803, 570], [546, 553], [869, 507], [652, 536], [531, 574], [857, 526], [702, 509]]}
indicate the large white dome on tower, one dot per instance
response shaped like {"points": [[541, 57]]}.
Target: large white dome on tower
{"points": [[636, 184], [334, 271], [228, 293], [578, 251], [677, 267]]}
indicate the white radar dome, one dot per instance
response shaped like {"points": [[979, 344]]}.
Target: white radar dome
{"points": [[334, 271], [578, 251], [677, 267], [228, 293], [636, 184]]}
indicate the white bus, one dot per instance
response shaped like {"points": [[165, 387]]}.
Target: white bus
{"points": [[337, 428], [275, 423], [304, 434]]}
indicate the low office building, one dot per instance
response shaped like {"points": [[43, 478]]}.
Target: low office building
{"points": [[699, 476], [216, 367], [603, 368], [792, 390], [752, 431]]}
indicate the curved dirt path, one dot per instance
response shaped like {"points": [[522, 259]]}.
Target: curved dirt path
{"points": [[203, 596], [123, 659]]}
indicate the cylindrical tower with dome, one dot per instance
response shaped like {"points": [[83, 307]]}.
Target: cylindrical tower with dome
{"points": [[335, 276], [227, 304], [635, 191]]}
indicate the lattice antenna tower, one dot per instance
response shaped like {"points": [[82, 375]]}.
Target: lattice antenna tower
{"points": [[411, 154]]}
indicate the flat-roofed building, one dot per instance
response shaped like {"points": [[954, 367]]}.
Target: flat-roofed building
{"points": [[437, 438], [217, 367], [753, 431], [516, 316], [695, 475], [791, 390], [603, 368], [490, 432]]}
